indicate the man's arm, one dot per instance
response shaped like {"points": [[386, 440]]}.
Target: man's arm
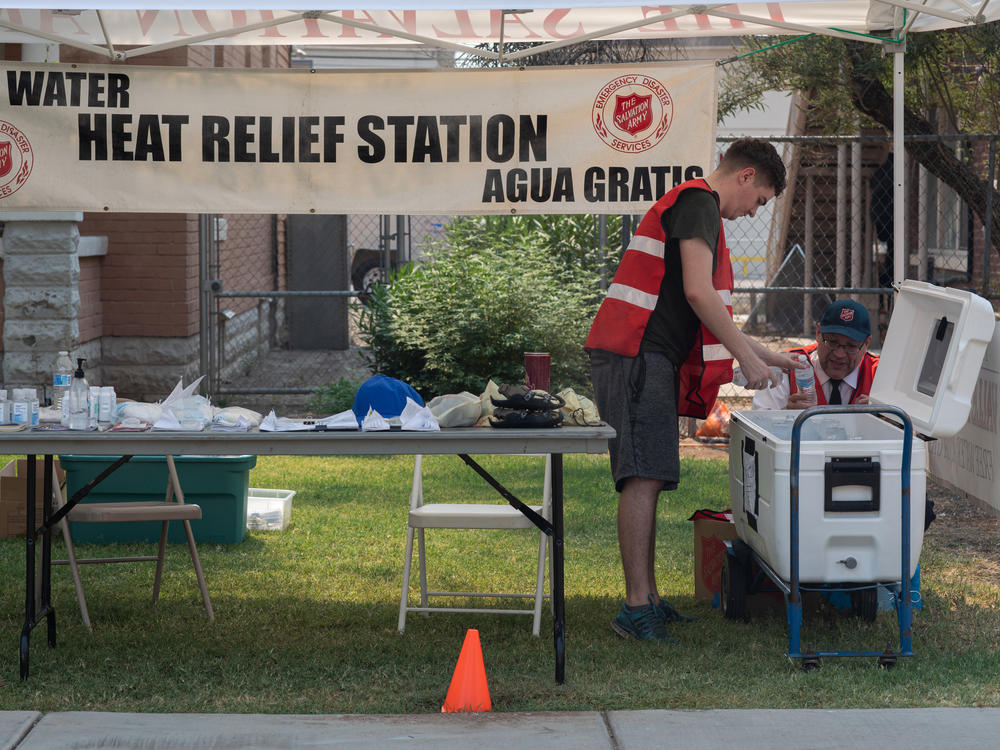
{"points": [[696, 268]]}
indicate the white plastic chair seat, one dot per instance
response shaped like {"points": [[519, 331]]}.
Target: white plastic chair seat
{"points": [[470, 516]]}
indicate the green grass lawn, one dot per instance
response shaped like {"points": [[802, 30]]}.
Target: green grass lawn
{"points": [[306, 617]]}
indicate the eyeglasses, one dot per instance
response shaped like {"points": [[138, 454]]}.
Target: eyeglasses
{"points": [[845, 348]]}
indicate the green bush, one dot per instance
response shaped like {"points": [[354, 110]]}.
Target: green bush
{"points": [[333, 398], [491, 291]]}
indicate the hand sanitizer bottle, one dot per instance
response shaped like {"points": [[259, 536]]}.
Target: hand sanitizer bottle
{"points": [[79, 400]]}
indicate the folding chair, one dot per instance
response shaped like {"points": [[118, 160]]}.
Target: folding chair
{"points": [[173, 508], [469, 516]]}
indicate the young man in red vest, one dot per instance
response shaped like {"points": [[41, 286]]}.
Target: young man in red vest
{"points": [[843, 367], [662, 343]]}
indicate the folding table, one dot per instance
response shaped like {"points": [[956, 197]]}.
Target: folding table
{"points": [[456, 441]]}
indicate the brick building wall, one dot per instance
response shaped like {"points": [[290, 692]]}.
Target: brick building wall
{"points": [[149, 278]]}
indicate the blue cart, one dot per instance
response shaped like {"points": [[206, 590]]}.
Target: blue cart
{"points": [[746, 572]]}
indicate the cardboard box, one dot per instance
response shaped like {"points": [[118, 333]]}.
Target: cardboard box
{"points": [[709, 554], [14, 492], [711, 530]]}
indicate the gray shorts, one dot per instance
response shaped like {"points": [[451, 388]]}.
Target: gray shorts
{"points": [[638, 397]]}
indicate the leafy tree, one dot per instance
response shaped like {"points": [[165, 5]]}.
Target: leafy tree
{"points": [[494, 289], [952, 86]]}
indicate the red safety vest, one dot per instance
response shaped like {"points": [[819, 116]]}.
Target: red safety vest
{"points": [[869, 363], [622, 318]]}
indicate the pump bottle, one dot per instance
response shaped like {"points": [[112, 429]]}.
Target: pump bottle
{"points": [[79, 399]]}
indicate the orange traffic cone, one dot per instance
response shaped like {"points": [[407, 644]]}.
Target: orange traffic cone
{"points": [[468, 690]]}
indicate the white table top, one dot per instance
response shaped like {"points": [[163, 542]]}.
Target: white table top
{"points": [[471, 440]]}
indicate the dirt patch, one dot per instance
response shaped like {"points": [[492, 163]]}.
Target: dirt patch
{"points": [[967, 528], [691, 448]]}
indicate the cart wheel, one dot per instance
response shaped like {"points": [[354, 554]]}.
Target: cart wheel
{"points": [[864, 604], [887, 661], [809, 663], [734, 589]]}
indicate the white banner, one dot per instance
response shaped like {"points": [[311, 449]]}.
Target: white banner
{"points": [[590, 139]]}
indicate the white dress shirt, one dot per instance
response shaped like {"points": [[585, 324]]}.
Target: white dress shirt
{"points": [[777, 396]]}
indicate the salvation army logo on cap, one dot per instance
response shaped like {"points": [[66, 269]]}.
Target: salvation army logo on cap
{"points": [[16, 158], [632, 113], [847, 314]]}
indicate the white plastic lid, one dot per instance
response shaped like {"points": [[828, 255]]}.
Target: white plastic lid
{"points": [[932, 354]]}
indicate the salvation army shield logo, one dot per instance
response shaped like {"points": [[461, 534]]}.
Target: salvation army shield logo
{"points": [[632, 113], [16, 159], [6, 163], [847, 315]]}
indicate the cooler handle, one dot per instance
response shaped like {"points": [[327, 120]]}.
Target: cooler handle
{"points": [[851, 472]]}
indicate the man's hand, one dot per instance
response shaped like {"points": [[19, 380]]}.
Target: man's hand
{"points": [[798, 400], [757, 373]]}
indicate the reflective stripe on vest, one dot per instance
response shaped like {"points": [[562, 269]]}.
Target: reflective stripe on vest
{"points": [[622, 318], [624, 314]]}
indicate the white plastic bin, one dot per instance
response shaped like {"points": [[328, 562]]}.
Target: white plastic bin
{"points": [[268, 510]]}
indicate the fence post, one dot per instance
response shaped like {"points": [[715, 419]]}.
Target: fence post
{"points": [[857, 213], [841, 250], [988, 224], [807, 275]]}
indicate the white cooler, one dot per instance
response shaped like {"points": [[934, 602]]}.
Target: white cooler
{"points": [[850, 464]]}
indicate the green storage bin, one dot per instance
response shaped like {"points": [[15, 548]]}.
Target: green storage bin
{"points": [[218, 484]]}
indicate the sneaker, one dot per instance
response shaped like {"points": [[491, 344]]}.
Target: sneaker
{"points": [[642, 623], [668, 613]]}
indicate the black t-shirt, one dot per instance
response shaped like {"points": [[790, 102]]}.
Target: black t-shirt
{"points": [[673, 325]]}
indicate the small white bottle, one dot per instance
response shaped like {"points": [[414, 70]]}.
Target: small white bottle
{"points": [[4, 407], [31, 396], [106, 406], [95, 402], [79, 399], [19, 410], [62, 379], [805, 380]]}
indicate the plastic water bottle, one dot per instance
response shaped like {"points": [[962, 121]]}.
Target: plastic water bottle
{"points": [[739, 379], [805, 380], [79, 400], [62, 379]]}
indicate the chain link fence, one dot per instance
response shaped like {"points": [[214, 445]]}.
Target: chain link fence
{"points": [[830, 234]]}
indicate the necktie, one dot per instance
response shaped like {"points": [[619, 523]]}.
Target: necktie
{"points": [[835, 391]]}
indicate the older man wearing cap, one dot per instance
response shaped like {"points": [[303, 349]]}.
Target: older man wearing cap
{"points": [[844, 368]]}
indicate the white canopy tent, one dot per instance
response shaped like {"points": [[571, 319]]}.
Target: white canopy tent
{"points": [[105, 28]]}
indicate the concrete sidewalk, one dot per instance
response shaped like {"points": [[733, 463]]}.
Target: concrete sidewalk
{"points": [[877, 729]]}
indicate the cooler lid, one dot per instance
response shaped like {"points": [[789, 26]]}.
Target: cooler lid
{"points": [[932, 354]]}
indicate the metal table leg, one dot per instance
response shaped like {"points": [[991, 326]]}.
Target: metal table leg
{"points": [[33, 614], [555, 531], [558, 592]]}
